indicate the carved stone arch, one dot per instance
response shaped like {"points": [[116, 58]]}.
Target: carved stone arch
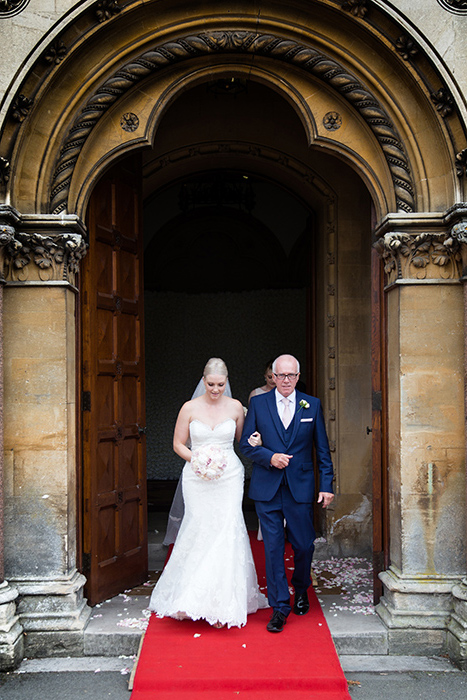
{"points": [[234, 42], [152, 103]]}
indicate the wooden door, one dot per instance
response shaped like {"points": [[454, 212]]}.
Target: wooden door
{"points": [[113, 407], [378, 425]]}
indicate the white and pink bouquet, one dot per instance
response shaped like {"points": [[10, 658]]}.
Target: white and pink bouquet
{"points": [[208, 462]]}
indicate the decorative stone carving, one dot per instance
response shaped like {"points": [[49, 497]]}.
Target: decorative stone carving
{"points": [[358, 8], [44, 257], [11, 7], [461, 163], [4, 171], [332, 121], [106, 9], [234, 41], [458, 7], [21, 107], [31, 256], [443, 102], [459, 237], [420, 256], [7, 237], [406, 47], [129, 121], [56, 52]]}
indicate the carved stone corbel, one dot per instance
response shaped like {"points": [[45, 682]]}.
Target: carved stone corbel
{"points": [[420, 256]]}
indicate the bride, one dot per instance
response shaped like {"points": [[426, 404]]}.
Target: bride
{"points": [[210, 574]]}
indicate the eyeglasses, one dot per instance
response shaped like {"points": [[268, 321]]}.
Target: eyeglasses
{"points": [[286, 376]]}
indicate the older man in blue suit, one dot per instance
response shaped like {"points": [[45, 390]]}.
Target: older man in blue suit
{"points": [[282, 483]]}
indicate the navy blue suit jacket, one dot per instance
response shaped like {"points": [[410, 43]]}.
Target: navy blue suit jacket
{"points": [[307, 427]]}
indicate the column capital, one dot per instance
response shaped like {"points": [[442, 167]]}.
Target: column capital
{"points": [[40, 248], [423, 247], [420, 256]]}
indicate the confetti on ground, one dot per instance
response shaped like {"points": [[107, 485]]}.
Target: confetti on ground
{"points": [[139, 623], [349, 577], [196, 636]]}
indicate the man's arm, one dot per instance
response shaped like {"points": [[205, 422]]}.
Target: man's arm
{"points": [[323, 457]]}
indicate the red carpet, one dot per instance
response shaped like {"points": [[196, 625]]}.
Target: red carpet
{"points": [[300, 663]]}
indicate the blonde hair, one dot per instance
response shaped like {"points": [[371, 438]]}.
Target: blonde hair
{"points": [[215, 366]]}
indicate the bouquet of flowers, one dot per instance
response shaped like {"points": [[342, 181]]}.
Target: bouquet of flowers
{"points": [[208, 462]]}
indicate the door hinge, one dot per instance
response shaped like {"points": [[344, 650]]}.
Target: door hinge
{"points": [[86, 401]]}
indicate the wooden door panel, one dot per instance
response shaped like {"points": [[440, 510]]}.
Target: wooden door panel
{"points": [[105, 477], [104, 398], [114, 470]]}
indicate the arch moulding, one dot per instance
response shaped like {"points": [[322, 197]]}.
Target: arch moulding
{"points": [[235, 42]]}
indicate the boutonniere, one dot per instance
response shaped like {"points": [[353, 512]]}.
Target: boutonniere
{"points": [[303, 404]]}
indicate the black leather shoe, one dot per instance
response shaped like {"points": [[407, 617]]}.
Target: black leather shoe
{"points": [[301, 604], [277, 622]]}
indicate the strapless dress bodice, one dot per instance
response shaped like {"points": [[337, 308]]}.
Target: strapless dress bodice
{"points": [[221, 435]]}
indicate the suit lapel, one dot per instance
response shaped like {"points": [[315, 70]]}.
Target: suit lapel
{"points": [[296, 419], [274, 414]]}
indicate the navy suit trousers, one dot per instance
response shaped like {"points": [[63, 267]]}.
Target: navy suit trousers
{"points": [[301, 535]]}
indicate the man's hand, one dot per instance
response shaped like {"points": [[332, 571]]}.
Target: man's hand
{"points": [[280, 460], [325, 498]]}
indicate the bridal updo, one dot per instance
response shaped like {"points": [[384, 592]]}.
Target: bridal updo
{"points": [[215, 366]]}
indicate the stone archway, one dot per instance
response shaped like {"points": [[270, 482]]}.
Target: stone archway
{"points": [[400, 135]]}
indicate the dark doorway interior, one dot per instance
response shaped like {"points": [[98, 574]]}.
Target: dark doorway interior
{"points": [[228, 272]]}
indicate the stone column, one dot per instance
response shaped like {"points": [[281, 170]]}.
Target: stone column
{"points": [[426, 431], [40, 432], [11, 632], [457, 628]]}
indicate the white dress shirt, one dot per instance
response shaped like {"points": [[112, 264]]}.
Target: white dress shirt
{"points": [[280, 404]]}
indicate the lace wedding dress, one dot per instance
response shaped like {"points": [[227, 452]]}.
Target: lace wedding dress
{"points": [[210, 574]]}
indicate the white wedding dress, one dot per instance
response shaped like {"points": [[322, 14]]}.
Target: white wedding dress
{"points": [[211, 574]]}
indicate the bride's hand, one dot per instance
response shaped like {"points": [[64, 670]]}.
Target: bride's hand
{"points": [[255, 439]]}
